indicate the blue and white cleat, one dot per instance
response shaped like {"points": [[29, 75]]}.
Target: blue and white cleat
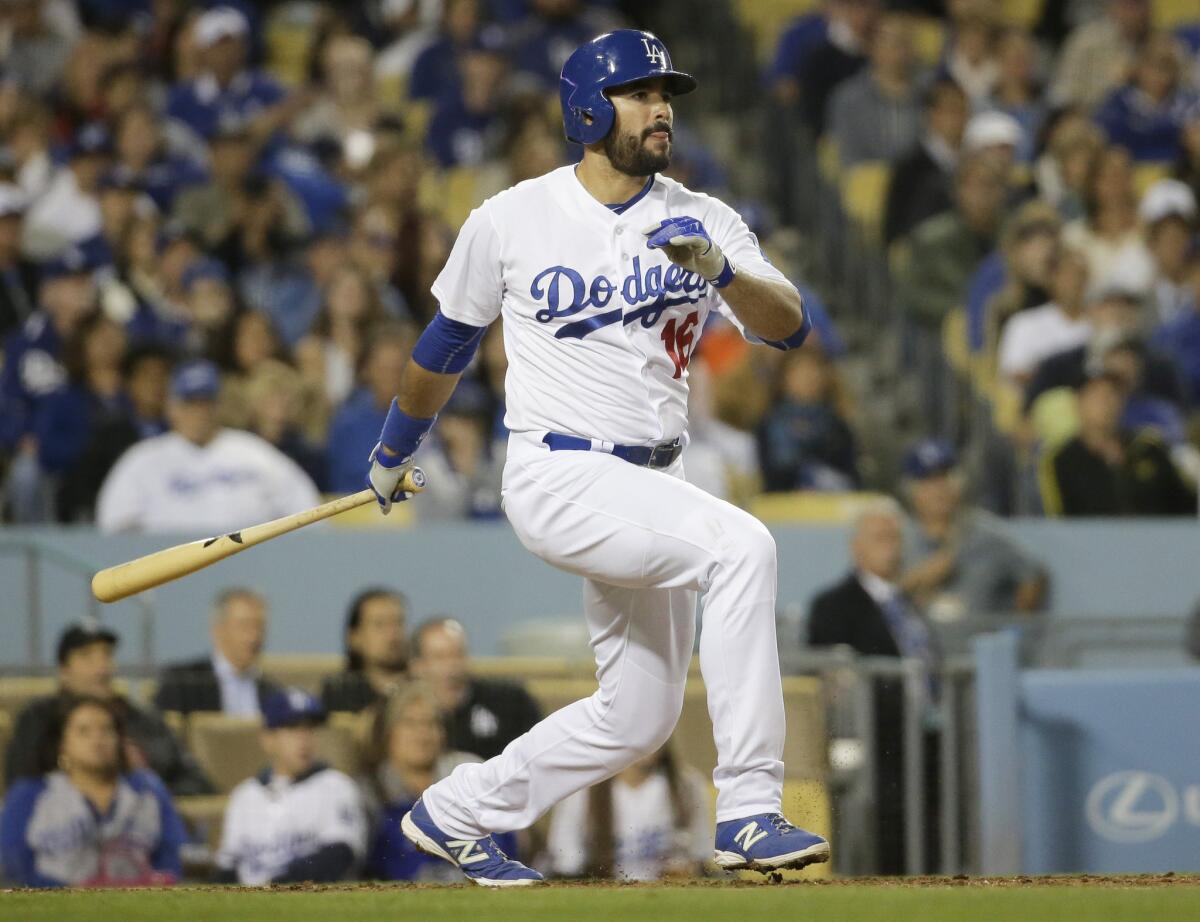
{"points": [[767, 842], [481, 860]]}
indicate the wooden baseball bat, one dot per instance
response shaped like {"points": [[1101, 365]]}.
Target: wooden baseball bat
{"points": [[115, 583]]}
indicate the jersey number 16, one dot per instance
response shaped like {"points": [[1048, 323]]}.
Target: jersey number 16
{"points": [[679, 341]]}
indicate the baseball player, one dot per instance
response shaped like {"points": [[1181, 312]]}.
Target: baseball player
{"points": [[605, 273]]}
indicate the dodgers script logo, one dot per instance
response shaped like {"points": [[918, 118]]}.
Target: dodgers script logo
{"points": [[566, 294]]}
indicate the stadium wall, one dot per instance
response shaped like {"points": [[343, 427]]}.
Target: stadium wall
{"points": [[482, 575]]}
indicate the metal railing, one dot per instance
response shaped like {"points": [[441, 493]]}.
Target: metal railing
{"points": [[37, 555], [852, 683]]}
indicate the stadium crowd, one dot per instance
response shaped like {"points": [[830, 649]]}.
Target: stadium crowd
{"points": [[219, 224], [1028, 176], [93, 776]]}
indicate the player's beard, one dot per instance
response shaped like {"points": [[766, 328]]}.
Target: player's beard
{"points": [[629, 155]]}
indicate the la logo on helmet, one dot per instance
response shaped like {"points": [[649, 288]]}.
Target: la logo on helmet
{"points": [[655, 53]]}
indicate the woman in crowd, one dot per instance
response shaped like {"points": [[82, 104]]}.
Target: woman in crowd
{"points": [[411, 755], [329, 356], [88, 820], [253, 341], [66, 420], [650, 821], [1061, 172], [277, 407], [1109, 235]]}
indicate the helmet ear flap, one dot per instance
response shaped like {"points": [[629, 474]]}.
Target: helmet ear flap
{"points": [[593, 123]]}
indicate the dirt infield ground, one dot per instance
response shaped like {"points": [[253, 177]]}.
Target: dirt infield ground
{"points": [[1146, 898]]}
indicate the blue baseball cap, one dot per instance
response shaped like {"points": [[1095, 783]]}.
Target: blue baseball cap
{"points": [[928, 458], [204, 269], [73, 260], [92, 138], [292, 707], [196, 380]]}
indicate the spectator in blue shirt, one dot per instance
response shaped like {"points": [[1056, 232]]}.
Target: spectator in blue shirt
{"points": [[549, 33], [465, 128], [804, 441], [435, 66], [1147, 115], [66, 419], [355, 427], [225, 90], [805, 34], [33, 356], [88, 820], [1179, 338], [141, 151]]}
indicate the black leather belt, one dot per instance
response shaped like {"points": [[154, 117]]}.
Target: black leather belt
{"points": [[656, 456]]}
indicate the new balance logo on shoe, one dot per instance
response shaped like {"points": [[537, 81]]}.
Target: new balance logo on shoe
{"points": [[748, 835], [466, 852]]}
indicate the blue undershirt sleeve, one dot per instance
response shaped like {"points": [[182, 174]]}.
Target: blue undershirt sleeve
{"points": [[447, 346], [795, 340]]}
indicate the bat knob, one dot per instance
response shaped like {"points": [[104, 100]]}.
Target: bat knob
{"points": [[418, 478]]}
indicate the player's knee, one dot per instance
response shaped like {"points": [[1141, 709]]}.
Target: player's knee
{"points": [[752, 546], [644, 722], [652, 732]]}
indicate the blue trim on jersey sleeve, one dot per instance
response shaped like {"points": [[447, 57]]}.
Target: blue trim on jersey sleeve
{"points": [[622, 207], [447, 346], [20, 862], [796, 340]]}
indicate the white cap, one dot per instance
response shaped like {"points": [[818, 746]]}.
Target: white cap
{"points": [[1165, 198], [12, 200], [218, 23], [988, 129]]}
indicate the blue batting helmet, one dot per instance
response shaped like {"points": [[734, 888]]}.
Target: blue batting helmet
{"points": [[608, 61]]}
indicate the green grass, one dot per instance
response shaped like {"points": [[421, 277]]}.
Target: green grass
{"points": [[975, 901]]}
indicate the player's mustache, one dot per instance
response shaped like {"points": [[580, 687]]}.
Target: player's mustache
{"points": [[659, 126]]}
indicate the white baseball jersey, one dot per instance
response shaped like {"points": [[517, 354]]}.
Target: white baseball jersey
{"points": [[598, 328], [270, 824], [167, 483], [646, 841]]}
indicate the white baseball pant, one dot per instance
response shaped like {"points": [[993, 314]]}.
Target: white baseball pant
{"points": [[646, 542]]}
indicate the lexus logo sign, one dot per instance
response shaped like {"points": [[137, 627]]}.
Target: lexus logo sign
{"points": [[1132, 806]]}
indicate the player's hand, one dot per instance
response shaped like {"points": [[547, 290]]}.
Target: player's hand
{"points": [[687, 244], [391, 458], [387, 473]]}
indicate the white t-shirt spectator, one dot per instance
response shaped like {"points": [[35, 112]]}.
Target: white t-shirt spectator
{"points": [[64, 215], [167, 483], [270, 823], [644, 833], [1036, 334]]}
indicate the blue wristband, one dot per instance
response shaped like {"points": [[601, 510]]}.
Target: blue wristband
{"points": [[727, 275], [402, 434]]}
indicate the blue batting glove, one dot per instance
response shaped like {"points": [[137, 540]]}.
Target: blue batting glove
{"points": [[687, 244]]}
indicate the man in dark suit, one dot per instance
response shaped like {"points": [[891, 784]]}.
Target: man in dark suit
{"points": [[482, 715], [868, 612], [227, 680], [922, 182]]}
